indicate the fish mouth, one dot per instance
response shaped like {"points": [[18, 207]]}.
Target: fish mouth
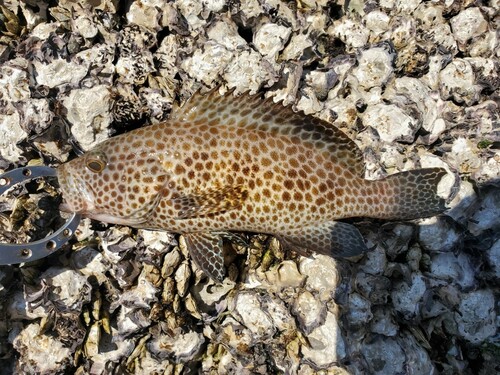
{"points": [[64, 207], [77, 192], [73, 190]]}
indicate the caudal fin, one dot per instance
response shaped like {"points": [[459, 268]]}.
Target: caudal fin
{"points": [[415, 194]]}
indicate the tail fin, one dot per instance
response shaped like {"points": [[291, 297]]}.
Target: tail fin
{"points": [[415, 194]]}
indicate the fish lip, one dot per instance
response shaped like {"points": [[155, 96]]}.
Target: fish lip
{"points": [[64, 207]]}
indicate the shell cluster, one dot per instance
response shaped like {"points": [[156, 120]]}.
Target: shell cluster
{"points": [[414, 83]]}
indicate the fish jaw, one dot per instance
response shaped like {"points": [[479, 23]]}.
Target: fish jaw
{"points": [[78, 196]]}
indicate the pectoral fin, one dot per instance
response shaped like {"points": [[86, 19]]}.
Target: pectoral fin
{"points": [[206, 251], [332, 238], [209, 202]]}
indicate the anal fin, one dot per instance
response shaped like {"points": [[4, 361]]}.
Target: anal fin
{"points": [[205, 249], [333, 238]]}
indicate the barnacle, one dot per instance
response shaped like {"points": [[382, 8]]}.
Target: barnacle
{"points": [[10, 24]]}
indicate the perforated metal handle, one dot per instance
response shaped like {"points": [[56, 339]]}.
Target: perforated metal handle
{"points": [[20, 253]]}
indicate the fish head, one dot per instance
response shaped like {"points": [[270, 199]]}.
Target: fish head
{"points": [[113, 183]]}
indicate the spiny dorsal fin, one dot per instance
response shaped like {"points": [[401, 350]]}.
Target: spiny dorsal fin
{"points": [[255, 113]]}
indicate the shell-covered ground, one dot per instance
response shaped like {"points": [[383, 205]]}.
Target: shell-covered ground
{"points": [[414, 83]]}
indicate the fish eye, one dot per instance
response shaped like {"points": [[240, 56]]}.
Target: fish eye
{"points": [[96, 163]]}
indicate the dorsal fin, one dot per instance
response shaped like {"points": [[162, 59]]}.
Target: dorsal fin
{"points": [[263, 114]]}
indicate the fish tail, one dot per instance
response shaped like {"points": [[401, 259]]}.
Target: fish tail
{"points": [[410, 195]]}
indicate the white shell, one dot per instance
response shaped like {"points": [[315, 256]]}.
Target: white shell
{"points": [[322, 275], [144, 14], [374, 67], [359, 313], [182, 346], [437, 234], [248, 309], [309, 310], [468, 24], [476, 318], [270, 39], [383, 323], [11, 133], [89, 123], [248, 71], [326, 345], [68, 287], [384, 356], [407, 295], [487, 215], [59, 72], [391, 122], [39, 353], [351, 32], [457, 81], [207, 65], [453, 269]]}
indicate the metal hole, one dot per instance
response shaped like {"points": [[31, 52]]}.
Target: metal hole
{"points": [[25, 253], [26, 172], [4, 181], [51, 245], [67, 232]]}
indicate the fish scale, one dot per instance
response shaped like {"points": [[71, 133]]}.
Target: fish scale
{"points": [[224, 163]]}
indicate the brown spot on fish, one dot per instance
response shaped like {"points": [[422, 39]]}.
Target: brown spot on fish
{"points": [[266, 162], [294, 163], [320, 201], [268, 175]]}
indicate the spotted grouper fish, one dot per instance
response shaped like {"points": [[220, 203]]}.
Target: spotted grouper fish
{"points": [[225, 163]]}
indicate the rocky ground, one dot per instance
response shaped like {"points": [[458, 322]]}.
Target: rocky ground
{"points": [[414, 83]]}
